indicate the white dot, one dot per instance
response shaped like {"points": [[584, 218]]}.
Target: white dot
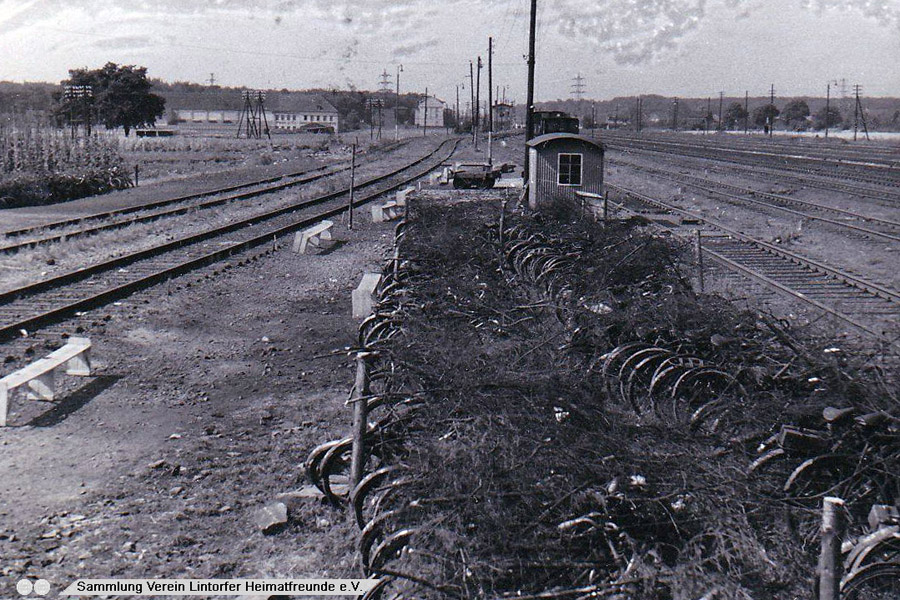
{"points": [[24, 586], [41, 587]]}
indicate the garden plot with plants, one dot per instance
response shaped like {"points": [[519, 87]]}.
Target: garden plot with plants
{"points": [[42, 165]]}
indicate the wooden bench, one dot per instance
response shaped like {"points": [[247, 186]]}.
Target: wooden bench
{"points": [[40, 376], [364, 295], [314, 235], [386, 212]]}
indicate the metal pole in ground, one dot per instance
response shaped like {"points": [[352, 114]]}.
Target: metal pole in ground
{"points": [[830, 565], [699, 248], [352, 184], [606, 207], [360, 400]]}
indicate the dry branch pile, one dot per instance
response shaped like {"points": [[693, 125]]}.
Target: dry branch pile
{"points": [[586, 426]]}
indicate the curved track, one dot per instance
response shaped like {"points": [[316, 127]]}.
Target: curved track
{"points": [[868, 306], [29, 237], [859, 171], [852, 222], [886, 196], [52, 300]]}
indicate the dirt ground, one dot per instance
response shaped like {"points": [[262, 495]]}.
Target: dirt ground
{"points": [[209, 392], [207, 397]]}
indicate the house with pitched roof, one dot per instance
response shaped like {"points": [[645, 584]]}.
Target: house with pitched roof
{"points": [[220, 110]]}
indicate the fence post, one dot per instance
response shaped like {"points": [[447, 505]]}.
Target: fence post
{"points": [[352, 185], [360, 400], [699, 248], [605, 207], [830, 565]]}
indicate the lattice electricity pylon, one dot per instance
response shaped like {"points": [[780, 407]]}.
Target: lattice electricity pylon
{"points": [[371, 105], [253, 121]]}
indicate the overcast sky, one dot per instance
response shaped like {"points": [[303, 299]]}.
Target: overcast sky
{"points": [[621, 47]]}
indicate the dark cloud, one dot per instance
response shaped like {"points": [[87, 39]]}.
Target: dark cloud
{"points": [[414, 48], [124, 42]]}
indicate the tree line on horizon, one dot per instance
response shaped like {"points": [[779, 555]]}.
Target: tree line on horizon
{"points": [[123, 96]]}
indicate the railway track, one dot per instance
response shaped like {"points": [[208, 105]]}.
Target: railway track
{"points": [[38, 235], [835, 169], [52, 300], [887, 197], [888, 156], [865, 226], [868, 306]]}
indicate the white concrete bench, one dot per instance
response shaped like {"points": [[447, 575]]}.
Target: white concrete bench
{"points": [[40, 375], [313, 235], [364, 295], [401, 196], [386, 212]]}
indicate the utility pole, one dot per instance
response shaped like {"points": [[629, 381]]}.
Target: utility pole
{"points": [[721, 126], [472, 104], [490, 85], [675, 114], [478, 100], [859, 113], [638, 116], [529, 101], [593, 118], [708, 115], [746, 111], [425, 119], [212, 79], [457, 107], [827, 108], [397, 107], [771, 116]]}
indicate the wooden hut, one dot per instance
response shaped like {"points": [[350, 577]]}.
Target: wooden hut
{"points": [[559, 164]]}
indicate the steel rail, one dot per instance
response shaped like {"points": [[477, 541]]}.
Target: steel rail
{"points": [[719, 155], [890, 165], [875, 291], [306, 176], [58, 313], [872, 288], [889, 157], [700, 183]]}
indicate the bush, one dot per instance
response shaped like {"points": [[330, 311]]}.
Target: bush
{"points": [[39, 190]]}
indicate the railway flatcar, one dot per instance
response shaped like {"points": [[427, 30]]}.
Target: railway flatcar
{"points": [[554, 121]]}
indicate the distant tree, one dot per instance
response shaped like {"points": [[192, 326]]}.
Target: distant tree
{"points": [[833, 118], [120, 97], [765, 115], [735, 115], [795, 113]]}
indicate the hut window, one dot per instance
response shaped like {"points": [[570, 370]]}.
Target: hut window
{"points": [[569, 169]]}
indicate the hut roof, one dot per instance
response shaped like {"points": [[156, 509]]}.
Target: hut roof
{"points": [[549, 137]]}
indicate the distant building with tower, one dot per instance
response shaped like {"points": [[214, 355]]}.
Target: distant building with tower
{"points": [[435, 116]]}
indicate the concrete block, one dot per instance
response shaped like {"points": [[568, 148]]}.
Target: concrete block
{"points": [[364, 295], [311, 236], [401, 196]]}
